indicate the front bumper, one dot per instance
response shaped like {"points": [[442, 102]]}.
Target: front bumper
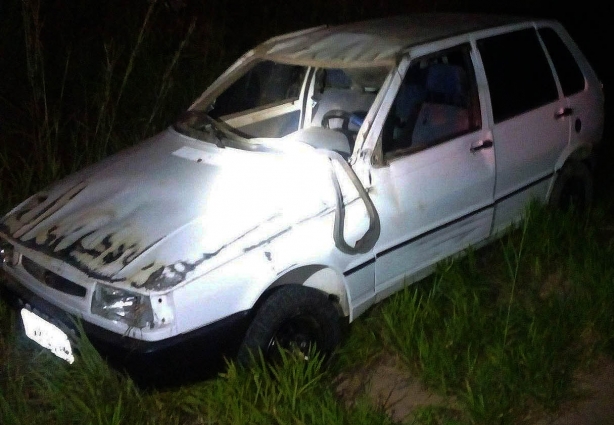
{"points": [[195, 355]]}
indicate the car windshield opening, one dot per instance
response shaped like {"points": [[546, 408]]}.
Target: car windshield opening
{"points": [[272, 102]]}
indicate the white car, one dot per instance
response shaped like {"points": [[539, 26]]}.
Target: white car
{"points": [[323, 171]]}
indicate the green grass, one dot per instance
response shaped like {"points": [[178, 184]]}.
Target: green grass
{"points": [[503, 330], [41, 389], [500, 331]]}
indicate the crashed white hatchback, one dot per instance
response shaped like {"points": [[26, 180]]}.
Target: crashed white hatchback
{"points": [[320, 173]]}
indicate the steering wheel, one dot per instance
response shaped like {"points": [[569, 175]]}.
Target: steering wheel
{"points": [[345, 117], [337, 114]]}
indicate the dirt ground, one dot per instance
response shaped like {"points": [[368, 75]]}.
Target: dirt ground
{"points": [[595, 401], [388, 384]]}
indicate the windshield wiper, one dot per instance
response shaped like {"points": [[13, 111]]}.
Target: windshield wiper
{"points": [[192, 121], [215, 131]]}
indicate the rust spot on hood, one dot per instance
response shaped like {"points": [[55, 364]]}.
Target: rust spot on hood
{"points": [[165, 277], [68, 244]]}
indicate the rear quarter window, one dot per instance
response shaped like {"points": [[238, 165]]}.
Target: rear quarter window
{"points": [[518, 73], [569, 73]]}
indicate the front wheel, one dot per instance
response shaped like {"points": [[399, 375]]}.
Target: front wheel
{"points": [[294, 317]]}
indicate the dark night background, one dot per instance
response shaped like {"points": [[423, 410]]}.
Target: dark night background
{"points": [[62, 62]]}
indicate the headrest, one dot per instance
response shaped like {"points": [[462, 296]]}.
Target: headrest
{"points": [[446, 81]]}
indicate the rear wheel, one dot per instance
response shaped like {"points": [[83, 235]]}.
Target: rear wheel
{"points": [[573, 187], [294, 317]]}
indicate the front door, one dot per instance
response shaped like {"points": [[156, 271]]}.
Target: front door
{"points": [[434, 186]]}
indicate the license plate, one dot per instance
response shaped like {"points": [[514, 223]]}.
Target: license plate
{"points": [[47, 335]]}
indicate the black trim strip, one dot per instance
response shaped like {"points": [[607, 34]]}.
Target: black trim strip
{"points": [[536, 182], [359, 267], [438, 228], [435, 229]]}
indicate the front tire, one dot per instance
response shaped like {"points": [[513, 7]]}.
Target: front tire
{"points": [[292, 317]]}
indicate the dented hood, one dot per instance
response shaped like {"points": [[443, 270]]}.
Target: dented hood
{"points": [[157, 214]]}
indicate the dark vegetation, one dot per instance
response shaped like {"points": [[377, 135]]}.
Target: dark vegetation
{"points": [[81, 80]]}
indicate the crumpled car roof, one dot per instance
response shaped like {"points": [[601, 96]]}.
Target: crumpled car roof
{"points": [[371, 43]]}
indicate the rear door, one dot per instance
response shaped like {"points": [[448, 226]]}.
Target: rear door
{"points": [[578, 85], [530, 122]]}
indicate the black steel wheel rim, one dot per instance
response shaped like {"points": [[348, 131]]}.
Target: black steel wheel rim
{"points": [[300, 332]]}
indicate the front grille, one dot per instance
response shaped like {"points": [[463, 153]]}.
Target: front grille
{"points": [[51, 279], [34, 269]]}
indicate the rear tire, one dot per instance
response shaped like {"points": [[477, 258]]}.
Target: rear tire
{"points": [[292, 317], [573, 187]]}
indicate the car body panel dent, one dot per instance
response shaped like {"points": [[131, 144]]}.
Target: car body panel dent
{"points": [[151, 220]]}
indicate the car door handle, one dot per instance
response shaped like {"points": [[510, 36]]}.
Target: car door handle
{"points": [[565, 112], [483, 144]]}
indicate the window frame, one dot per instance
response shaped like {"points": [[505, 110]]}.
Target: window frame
{"points": [[498, 116], [474, 109], [561, 57]]}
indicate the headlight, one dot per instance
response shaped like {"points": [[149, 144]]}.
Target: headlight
{"points": [[123, 306]]}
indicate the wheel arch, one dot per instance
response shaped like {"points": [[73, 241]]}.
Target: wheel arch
{"points": [[583, 153], [573, 182], [578, 152], [319, 277]]}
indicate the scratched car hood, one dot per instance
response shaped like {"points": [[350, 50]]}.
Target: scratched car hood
{"points": [[152, 216]]}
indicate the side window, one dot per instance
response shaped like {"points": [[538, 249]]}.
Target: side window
{"points": [[518, 73], [437, 101], [570, 76]]}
